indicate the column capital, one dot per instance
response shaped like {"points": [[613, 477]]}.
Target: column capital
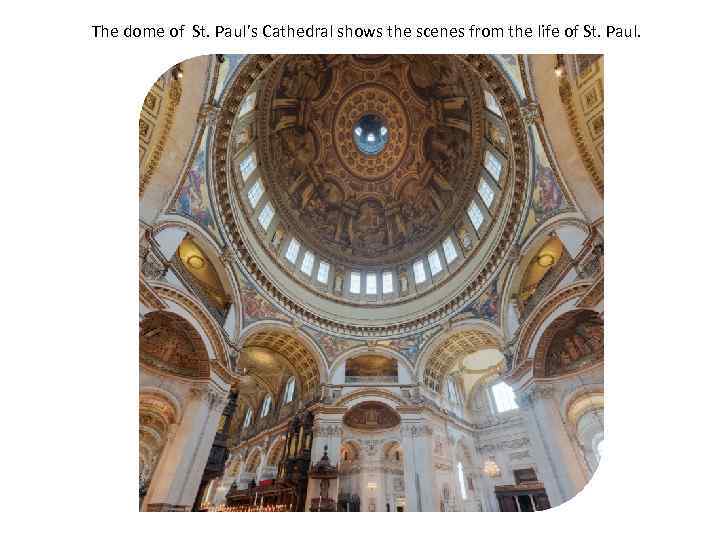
{"points": [[415, 430], [534, 394], [214, 397], [322, 429]]}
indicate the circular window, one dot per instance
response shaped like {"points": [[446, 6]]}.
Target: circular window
{"points": [[370, 134]]}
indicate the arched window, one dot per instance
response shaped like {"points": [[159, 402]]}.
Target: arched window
{"points": [[453, 392], [248, 418], [504, 397], [289, 390], [266, 406], [461, 479]]}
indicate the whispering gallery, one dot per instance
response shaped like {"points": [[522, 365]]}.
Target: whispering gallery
{"points": [[371, 283]]}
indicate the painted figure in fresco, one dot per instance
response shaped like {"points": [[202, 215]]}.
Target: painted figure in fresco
{"points": [[369, 226], [579, 343], [304, 78], [299, 147], [547, 196], [256, 307], [194, 199]]}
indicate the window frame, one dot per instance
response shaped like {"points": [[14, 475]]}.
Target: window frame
{"points": [[507, 393]]}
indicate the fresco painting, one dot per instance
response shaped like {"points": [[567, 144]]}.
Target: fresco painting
{"points": [[194, 200]]}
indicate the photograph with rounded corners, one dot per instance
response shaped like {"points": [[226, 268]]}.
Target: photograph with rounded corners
{"points": [[371, 283]]}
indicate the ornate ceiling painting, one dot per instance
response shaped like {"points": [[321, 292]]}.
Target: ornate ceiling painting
{"points": [[371, 416], [193, 200], [485, 307], [255, 306], [364, 209], [332, 346], [367, 209], [169, 343], [572, 342], [548, 199]]}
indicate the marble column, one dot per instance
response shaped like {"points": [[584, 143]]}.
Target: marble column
{"points": [[179, 472], [560, 467]]}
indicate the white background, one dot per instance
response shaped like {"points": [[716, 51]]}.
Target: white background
{"points": [[69, 266]]}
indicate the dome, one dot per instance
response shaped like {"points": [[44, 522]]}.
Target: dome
{"points": [[369, 199], [372, 180]]}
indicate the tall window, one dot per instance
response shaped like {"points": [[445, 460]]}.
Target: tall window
{"points": [[248, 418], [323, 272], [434, 260], [248, 104], [371, 283], [492, 164], [267, 402], [308, 262], [475, 215], [461, 479], [449, 249], [247, 165], [486, 193], [255, 193], [419, 271], [452, 389], [292, 251], [504, 397], [387, 282], [266, 216], [492, 104], [289, 390], [355, 282]]}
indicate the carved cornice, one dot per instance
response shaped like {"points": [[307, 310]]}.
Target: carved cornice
{"points": [[566, 96], [174, 94], [369, 392], [513, 444]]}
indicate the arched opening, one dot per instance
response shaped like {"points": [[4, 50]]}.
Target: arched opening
{"points": [[572, 342], [158, 416], [170, 343]]}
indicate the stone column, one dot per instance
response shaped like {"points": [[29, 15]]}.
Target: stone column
{"points": [[420, 488], [179, 472], [154, 482], [326, 432], [561, 470]]}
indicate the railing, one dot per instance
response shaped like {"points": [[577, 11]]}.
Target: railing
{"points": [[372, 380]]}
